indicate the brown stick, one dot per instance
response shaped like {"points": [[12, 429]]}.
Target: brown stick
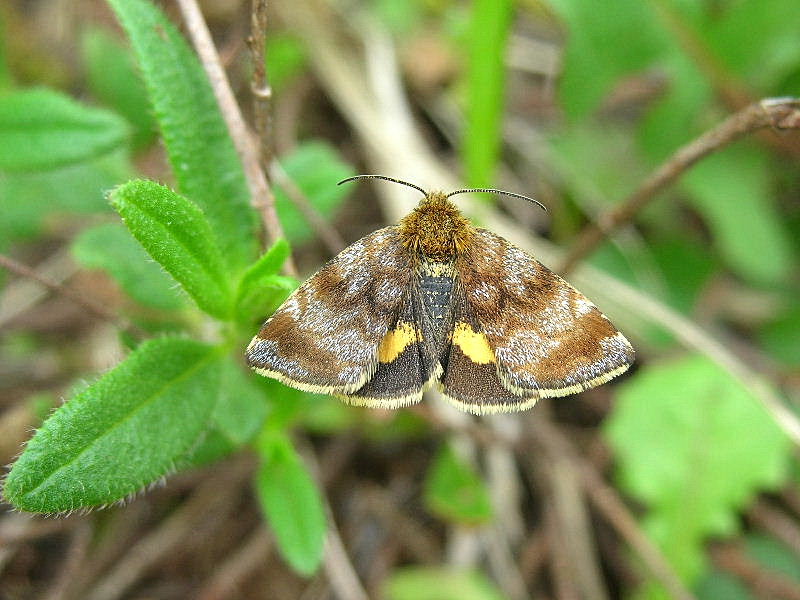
{"points": [[325, 232], [262, 92], [94, 307], [778, 113], [262, 198], [763, 582], [613, 509]]}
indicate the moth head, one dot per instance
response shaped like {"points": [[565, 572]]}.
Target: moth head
{"points": [[436, 228]]}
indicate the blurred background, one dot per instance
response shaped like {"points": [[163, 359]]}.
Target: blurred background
{"points": [[679, 479]]}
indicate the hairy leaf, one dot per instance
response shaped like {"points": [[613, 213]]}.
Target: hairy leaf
{"points": [[261, 289], [123, 432], [176, 234], [200, 150], [238, 414]]}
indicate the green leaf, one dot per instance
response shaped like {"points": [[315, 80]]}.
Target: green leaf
{"points": [[292, 503], [241, 407], [694, 446], [30, 200], [286, 58], [261, 289], [678, 116], [781, 337], [176, 234], [43, 129], [238, 415], [718, 585], [595, 59], [114, 79], [769, 26], [121, 433], [432, 583], [686, 269], [731, 190], [773, 555], [112, 248], [490, 23], [454, 491], [315, 167], [200, 150]]}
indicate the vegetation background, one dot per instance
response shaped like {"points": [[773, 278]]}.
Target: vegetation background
{"points": [[678, 480]]}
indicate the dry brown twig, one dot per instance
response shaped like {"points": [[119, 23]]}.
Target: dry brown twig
{"points": [[210, 498], [611, 506], [325, 232], [776, 113], [262, 198], [89, 304], [253, 553], [262, 92], [764, 583]]}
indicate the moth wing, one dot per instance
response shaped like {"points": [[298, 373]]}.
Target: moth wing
{"points": [[325, 337], [547, 339], [407, 362], [470, 379]]}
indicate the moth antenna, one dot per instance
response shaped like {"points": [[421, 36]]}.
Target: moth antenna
{"points": [[494, 191], [385, 178]]}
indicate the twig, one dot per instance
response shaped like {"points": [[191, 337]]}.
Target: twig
{"points": [[611, 506], [565, 587], [262, 198], [764, 583], [575, 551], [340, 571], [326, 233], [504, 567], [72, 563], [778, 113], [533, 555], [94, 307], [617, 514], [262, 92], [211, 496], [779, 524], [250, 555]]}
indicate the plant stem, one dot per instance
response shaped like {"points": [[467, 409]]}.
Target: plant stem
{"points": [[262, 197], [89, 304], [777, 113]]}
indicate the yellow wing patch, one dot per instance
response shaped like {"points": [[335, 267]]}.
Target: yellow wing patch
{"points": [[474, 345], [397, 340]]}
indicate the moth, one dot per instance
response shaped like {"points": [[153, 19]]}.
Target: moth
{"points": [[434, 300]]}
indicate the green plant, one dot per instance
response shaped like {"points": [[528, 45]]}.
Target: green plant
{"points": [[175, 401]]}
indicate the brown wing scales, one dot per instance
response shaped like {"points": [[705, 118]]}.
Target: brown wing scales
{"points": [[325, 337], [546, 337]]}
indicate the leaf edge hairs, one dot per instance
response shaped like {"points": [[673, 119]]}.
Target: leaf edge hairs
{"points": [[435, 300]]}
